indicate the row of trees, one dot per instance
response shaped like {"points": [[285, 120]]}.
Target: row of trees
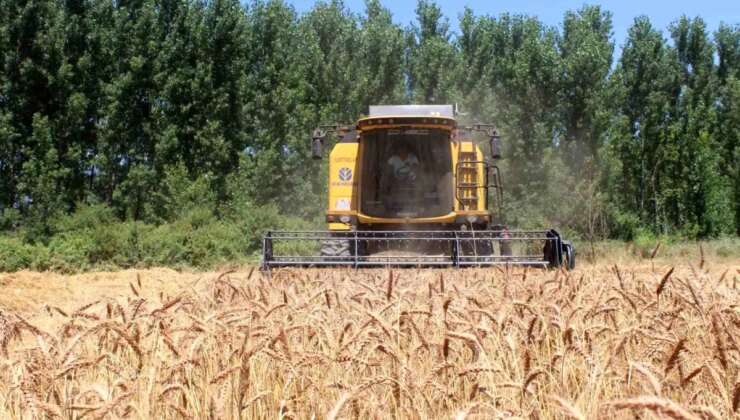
{"points": [[153, 107]]}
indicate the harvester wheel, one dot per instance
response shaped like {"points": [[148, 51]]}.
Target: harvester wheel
{"points": [[569, 256], [506, 249], [336, 248], [483, 248]]}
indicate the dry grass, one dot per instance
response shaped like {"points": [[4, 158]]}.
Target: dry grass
{"points": [[650, 339]]}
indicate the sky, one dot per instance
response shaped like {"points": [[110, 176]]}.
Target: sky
{"points": [[660, 12]]}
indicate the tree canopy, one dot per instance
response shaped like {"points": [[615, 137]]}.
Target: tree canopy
{"points": [[153, 107]]}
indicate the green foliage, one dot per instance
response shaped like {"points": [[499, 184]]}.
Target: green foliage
{"points": [[70, 253], [14, 254], [624, 225], [197, 240], [644, 242], [39, 184], [673, 173], [433, 59], [727, 40], [93, 237], [87, 217], [179, 195], [9, 219], [727, 248], [176, 132], [586, 48]]}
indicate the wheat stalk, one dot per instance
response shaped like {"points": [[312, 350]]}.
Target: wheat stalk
{"points": [[661, 406], [370, 343], [569, 409]]}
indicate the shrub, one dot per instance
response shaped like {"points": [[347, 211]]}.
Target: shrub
{"points": [[216, 244], [93, 236], [727, 247], [70, 252], [644, 243], [163, 246], [14, 254], [118, 244], [623, 225], [195, 240], [253, 221], [10, 219], [86, 217], [180, 195]]}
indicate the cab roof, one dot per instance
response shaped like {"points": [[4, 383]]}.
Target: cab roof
{"points": [[391, 116], [444, 111]]}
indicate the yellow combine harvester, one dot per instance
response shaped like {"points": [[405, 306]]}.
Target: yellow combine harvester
{"points": [[409, 187]]}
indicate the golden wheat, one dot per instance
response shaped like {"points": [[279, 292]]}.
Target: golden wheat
{"points": [[600, 342]]}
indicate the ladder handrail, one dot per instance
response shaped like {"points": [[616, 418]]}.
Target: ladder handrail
{"points": [[471, 165]]}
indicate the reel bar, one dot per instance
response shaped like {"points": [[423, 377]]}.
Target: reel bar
{"points": [[310, 248]]}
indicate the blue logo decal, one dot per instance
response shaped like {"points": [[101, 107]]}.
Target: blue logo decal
{"points": [[345, 174]]}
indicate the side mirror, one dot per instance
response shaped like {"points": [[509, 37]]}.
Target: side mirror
{"points": [[317, 145], [495, 145]]}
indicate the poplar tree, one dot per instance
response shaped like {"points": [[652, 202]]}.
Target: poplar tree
{"points": [[586, 48], [161, 110], [727, 40], [696, 194], [643, 94], [432, 59]]}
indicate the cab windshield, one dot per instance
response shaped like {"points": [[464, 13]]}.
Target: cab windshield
{"points": [[407, 173]]}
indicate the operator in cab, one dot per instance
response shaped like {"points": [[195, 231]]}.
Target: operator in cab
{"points": [[402, 197], [404, 164]]}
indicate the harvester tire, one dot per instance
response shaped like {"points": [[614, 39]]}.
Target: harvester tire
{"points": [[506, 249], [569, 256], [337, 248], [483, 248]]}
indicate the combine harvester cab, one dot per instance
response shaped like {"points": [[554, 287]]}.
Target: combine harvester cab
{"points": [[409, 187]]}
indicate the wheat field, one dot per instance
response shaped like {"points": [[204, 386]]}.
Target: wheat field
{"points": [[647, 338]]}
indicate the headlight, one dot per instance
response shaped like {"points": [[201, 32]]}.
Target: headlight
{"points": [[472, 218], [344, 218]]}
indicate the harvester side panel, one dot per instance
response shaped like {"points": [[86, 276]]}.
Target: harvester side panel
{"points": [[344, 176]]}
